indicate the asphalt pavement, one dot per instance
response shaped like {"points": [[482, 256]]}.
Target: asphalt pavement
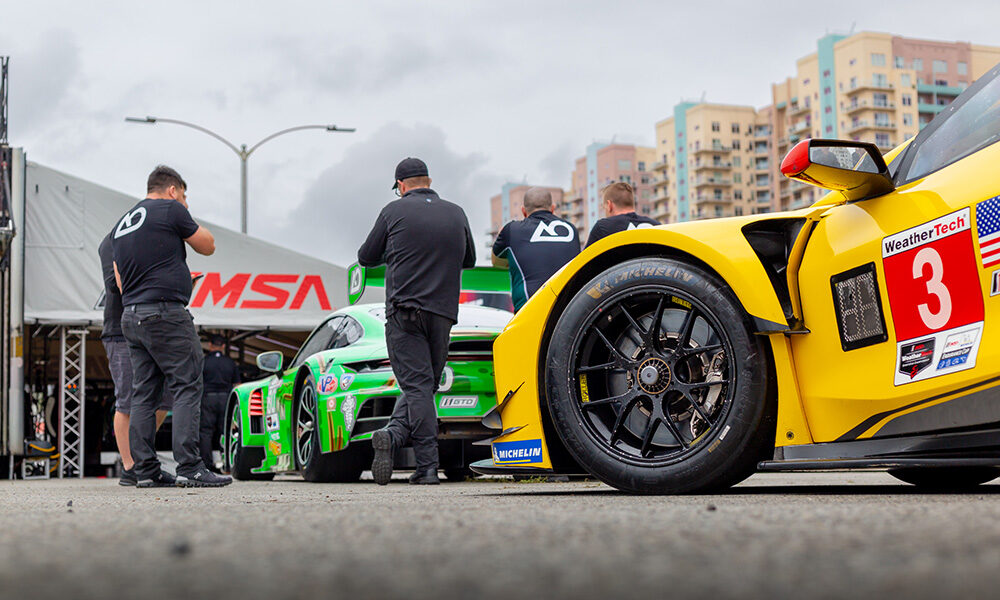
{"points": [[811, 535]]}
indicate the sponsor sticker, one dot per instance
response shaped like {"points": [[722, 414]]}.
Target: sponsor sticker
{"points": [[584, 392], [459, 402], [347, 408], [346, 380], [331, 404], [274, 447], [272, 422], [327, 384], [995, 287], [517, 453], [932, 280]]}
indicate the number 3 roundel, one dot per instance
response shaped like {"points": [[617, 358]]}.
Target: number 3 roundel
{"points": [[932, 277]]}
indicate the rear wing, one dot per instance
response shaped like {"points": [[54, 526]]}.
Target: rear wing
{"points": [[476, 279]]}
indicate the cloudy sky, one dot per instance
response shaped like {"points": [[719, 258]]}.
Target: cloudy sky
{"points": [[486, 92]]}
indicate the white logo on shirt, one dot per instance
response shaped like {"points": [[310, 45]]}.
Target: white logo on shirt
{"points": [[639, 226], [131, 221], [548, 232]]}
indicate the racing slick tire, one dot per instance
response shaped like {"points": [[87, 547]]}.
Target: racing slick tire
{"points": [[946, 478], [674, 408], [238, 460], [333, 467]]}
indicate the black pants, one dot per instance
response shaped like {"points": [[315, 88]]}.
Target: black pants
{"points": [[418, 349], [165, 351], [213, 419]]}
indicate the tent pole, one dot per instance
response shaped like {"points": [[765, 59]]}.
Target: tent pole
{"points": [[15, 391]]}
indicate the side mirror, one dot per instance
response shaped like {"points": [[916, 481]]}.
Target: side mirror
{"points": [[270, 361], [855, 169]]}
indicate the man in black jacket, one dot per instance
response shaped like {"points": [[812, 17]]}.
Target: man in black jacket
{"points": [[619, 205], [535, 247], [219, 375], [425, 242]]}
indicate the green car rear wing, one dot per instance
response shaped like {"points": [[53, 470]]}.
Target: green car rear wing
{"points": [[476, 279]]}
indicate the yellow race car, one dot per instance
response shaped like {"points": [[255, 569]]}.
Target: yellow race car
{"points": [[861, 332]]}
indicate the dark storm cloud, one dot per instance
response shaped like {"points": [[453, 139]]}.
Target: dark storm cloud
{"points": [[341, 205]]}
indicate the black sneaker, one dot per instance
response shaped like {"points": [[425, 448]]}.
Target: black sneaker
{"points": [[128, 478], [428, 477], [382, 463], [164, 479], [203, 478]]}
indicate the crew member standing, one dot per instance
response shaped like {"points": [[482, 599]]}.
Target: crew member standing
{"points": [[116, 347], [152, 272], [425, 242], [535, 247], [619, 205], [220, 374]]}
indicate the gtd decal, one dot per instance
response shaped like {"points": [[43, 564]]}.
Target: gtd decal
{"points": [[548, 232]]}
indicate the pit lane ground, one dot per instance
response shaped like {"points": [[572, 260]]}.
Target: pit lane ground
{"points": [[828, 535]]}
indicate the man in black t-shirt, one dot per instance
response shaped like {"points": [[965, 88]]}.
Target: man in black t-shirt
{"points": [[619, 204], [220, 374], [151, 268], [425, 242], [535, 247], [119, 363]]}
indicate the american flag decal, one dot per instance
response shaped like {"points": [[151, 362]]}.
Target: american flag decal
{"points": [[988, 230]]}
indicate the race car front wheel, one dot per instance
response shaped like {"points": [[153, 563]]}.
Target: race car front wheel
{"points": [[655, 382]]}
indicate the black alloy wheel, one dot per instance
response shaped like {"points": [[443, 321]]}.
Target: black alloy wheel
{"points": [[343, 466], [655, 383]]}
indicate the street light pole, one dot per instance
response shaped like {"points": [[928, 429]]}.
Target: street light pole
{"points": [[243, 152]]}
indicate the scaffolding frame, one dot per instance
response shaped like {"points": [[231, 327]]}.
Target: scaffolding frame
{"points": [[72, 400]]}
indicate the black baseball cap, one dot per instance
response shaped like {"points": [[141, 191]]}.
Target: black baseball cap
{"points": [[409, 167]]}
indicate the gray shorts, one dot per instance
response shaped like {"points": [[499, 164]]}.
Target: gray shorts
{"points": [[121, 373]]}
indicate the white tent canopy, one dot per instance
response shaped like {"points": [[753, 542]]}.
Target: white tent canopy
{"points": [[248, 283]]}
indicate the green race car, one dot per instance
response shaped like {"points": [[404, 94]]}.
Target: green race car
{"points": [[316, 414]]}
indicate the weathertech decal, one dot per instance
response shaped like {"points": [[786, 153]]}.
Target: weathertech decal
{"points": [[932, 279], [517, 453]]}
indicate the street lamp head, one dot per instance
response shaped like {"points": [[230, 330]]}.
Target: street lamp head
{"points": [[335, 128], [140, 120]]}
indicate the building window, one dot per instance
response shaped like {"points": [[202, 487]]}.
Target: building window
{"points": [[737, 177], [880, 100], [882, 140], [738, 195], [805, 82], [907, 100], [878, 60], [854, 82], [918, 64], [940, 66], [904, 80], [962, 68], [829, 129], [882, 119], [828, 109], [941, 82], [900, 62], [852, 61], [880, 80], [736, 161], [736, 128], [826, 91], [736, 144], [826, 73], [715, 125], [907, 119], [739, 211], [642, 166]]}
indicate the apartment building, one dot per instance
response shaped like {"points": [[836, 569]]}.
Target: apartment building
{"points": [[715, 160], [873, 87], [603, 164], [712, 160], [506, 206]]}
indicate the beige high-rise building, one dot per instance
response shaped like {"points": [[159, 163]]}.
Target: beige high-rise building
{"points": [[604, 164], [715, 160]]}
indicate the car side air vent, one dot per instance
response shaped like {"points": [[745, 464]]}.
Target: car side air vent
{"points": [[858, 304]]}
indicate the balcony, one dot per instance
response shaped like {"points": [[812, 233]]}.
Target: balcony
{"points": [[698, 166], [926, 107], [865, 124], [764, 132], [660, 166], [796, 111], [712, 182], [866, 105], [762, 165], [940, 90], [702, 200], [870, 85], [800, 127], [713, 148], [782, 142]]}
